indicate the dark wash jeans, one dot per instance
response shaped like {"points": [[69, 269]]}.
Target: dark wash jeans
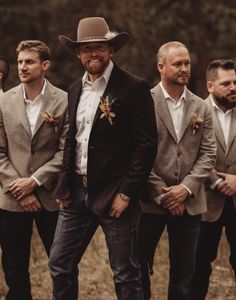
{"points": [[76, 226], [16, 231], [183, 235]]}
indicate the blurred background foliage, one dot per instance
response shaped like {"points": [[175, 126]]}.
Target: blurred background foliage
{"points": [[208, 28]]}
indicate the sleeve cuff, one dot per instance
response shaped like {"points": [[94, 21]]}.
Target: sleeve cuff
{"points": [[214, 184], [190, 192], [36, 180]]}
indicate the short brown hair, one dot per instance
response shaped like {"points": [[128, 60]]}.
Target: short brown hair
{"points": [[35, 45], [215, 65]]}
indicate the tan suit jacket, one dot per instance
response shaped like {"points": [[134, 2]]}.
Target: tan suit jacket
{"points": [[187, 161], [225, 162], [23, 154]]}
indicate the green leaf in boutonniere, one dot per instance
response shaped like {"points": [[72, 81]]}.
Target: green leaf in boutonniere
{"points": [[197, 122], [106, 108]]}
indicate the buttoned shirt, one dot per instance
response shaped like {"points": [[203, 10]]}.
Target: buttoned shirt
{"points": [[88, 105], [32, 108], [175, 109], [225, 121], [176, 112]]}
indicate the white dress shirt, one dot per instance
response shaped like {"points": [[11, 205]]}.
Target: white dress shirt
{"points": [[1, 91], [88, 104], [32, 108], [176, 111], [225, 121]]}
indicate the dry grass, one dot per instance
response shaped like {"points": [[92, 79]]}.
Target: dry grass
{"points": [[96, 278]]}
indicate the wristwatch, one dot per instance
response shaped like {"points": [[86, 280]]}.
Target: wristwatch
{"points": [[124, 197]]}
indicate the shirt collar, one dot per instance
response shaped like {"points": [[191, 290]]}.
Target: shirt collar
{"points": [[1, 91], [106, 74], [214, 104], [167, 96], [40, 94]]}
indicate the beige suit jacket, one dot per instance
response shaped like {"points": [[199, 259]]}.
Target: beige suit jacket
{"points": [[187, 161], [23, 154], [225, 162]]}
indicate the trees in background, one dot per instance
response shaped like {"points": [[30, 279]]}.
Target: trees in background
{"points": [[208, 28]]}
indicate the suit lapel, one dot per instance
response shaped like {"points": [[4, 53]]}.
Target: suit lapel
{"points": [[189, 109], [217, 127], [18, 100], [47, 106], [161, 109], [232, 132], [111, 85]]}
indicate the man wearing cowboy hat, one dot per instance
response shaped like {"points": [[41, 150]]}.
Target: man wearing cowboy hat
{"points": [[108, 155]]}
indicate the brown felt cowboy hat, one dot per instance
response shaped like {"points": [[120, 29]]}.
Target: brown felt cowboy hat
{"points": [[95, 29]]}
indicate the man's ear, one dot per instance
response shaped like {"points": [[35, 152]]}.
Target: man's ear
{"points": [[210, 86], [46, 65], [78, 53], [160, 67]]}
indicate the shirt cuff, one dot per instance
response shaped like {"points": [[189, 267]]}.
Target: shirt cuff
{"points": [[158, 199], [214, 184], [190, 192], [36, 180]]}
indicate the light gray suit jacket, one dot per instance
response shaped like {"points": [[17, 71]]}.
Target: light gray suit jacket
{"points": [[23, 154], [187, 161], [225, 162]]}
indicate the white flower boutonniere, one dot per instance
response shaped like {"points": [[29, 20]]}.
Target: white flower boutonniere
{"points": [[50, 119], [197, 122], [106, 108]]}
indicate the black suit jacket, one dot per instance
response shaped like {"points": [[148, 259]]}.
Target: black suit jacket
{"points": [[120, 156]]}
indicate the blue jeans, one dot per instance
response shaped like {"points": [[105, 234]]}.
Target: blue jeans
{"points": [[76, 226]]}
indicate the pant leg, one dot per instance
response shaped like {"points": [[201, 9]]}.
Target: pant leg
{"points": [[16, 238], [209, 238], [75, 227], [183, 233], [229, 215], [46, 222], [151, 229], [121, 237]]}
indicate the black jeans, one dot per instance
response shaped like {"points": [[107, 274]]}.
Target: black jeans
{"points": [[183, 235], [76, 226], [209, 239], [16, 230]]}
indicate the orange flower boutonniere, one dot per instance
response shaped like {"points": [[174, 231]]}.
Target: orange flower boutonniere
{"points": [[197, 121], [106, 107], [50, 119]]}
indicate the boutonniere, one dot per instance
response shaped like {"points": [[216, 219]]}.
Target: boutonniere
{"points": [[197, 121], [106, 108], [50, 119]]}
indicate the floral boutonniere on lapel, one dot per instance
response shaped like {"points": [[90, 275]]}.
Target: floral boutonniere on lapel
{"points": [[50, 119], [197, 122], [106, 108]]}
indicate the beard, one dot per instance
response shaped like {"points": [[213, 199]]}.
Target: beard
{"points": [[96, 68], [225, 100]]}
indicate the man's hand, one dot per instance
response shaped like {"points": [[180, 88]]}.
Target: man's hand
{"points": [[174, 195], [228, 185], [30, 203], [178, 209], [118, 206], [63, 203], [22, 187]]}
